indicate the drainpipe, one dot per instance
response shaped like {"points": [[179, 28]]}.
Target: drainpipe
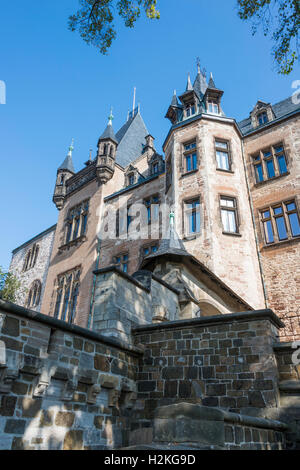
{"points": [[91, 318], [254, 228]]}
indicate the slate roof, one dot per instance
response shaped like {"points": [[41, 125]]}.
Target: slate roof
{"points": [[67, 164], [172, 245], [200, 85], [281, 109], [109, 133], [131, 139]]}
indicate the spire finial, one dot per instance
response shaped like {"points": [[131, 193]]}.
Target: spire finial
{"points": [[71, 148], [110, 117], [133, 104], [172, 218], [90, 157], [198, 64], [189, 83]]}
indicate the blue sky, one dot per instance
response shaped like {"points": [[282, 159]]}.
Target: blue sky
{"points": [[58, 88]]}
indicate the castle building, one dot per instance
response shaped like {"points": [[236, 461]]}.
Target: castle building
{"points": [[233, 192]]}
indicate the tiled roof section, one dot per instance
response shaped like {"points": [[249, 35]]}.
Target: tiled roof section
{"points": [[131, 138], [200, 85], [67, 164], [109, 134], [281, 109], [172, 245]]}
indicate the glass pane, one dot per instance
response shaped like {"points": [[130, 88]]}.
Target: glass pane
{"points": [[232, 224], [125, 257], [227, 202], [267, 154], [277, 210], [282, 164], [223, 160], [194, 156], [188, 163], [270, 169], [291, 206], [259, 173], [294, 223], [154, 249], [266, 214], [197, 221], [125, 268], [146, 251], [222, 145], [281, 228], [279, 149], [269, 232], [225, 221]]}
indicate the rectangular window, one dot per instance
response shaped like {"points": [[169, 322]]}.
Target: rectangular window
{"points": [[213, 107], [229, 214], [192, 216], [76, 224], [222, 155], [168, 173], [152, 205], [280, 222], [262, 118], [270, 163], [149, 249], [121, 262], [190, 157]]}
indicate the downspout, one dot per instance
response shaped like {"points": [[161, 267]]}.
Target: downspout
{"points": [[91, 317], [254, 228]]}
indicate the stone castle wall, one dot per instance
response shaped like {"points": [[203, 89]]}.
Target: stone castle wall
{"points": [[40, 269]]}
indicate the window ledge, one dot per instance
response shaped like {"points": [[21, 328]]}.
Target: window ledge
{"points": [[189, 238], [260, 183], [225, 171], [282, 242], [232, 234], [189, 173], [75, 242]]}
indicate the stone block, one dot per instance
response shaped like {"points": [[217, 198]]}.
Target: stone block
{"points": [[65, 419], [15, 426], [73, 440]]}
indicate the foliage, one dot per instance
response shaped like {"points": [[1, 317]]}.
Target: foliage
{"points": [[9, 286], [95, 19], [281, 20]]}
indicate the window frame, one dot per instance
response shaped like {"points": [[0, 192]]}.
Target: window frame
{"points": [[77, 222], [260, 159], [124, 261], [233, 209], [221, 149], [64, 306], [273, 217], [189, 153], [186, 216]]}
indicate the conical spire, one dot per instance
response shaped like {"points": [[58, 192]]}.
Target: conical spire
{"points": [[200, 84], [109, 132], [189, 86], [172, 244], [174, 101], [211, 83], [68, 162]]}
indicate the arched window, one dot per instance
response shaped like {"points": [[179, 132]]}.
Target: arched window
{"points": [[34, 295], [67, 295], [31, 257]]}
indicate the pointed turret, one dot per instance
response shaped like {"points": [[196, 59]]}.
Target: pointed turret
{"points": [[211, 83], [189, 86], [64, 172], [174, 109], [212, 98], [107, 147], [200, 84]]}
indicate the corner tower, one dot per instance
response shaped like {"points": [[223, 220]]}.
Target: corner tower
{"points": [[64, 172], [106, 156]]}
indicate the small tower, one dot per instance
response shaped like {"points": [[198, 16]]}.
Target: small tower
{"points": [[212, 98], [107, 147], [64, 172]]}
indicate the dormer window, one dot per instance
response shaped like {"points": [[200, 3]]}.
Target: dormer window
{"points": [[213, 107], [190, 110], [131, 179], [155, 168], [262, 118]]}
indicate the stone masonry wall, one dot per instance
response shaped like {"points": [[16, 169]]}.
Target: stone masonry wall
{"points": [[226, 361], [62, 387], [39, 271]]}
